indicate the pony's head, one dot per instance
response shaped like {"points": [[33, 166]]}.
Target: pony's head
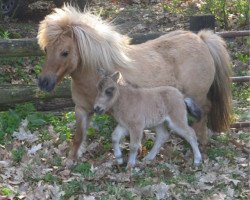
{"points": [[108, 93], [72, 39]]}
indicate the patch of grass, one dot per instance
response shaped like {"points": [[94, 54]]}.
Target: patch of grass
{"points": [[71, 188], [149, 144], [84, 169], [50, 178], [119, 192], [245, 136], [222, 138], [30, 174], [17, 154], [220, 152], [105, 125], [6, 191], [45, 135], [61, 124], [9, 122]]}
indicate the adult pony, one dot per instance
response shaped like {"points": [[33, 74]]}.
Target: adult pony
{"points": [[76, 44]]}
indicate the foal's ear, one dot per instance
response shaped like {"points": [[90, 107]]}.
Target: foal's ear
{"points": [[101, 72], [116, 76]]}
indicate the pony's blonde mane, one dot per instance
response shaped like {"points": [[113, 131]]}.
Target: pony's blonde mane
{"points": [[98, 43]]}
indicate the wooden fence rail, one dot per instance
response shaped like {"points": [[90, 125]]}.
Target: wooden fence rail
{"points": [[29, 47]]}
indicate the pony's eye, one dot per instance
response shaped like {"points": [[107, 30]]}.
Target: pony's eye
{"points": [[109, 91], [64, 53]]}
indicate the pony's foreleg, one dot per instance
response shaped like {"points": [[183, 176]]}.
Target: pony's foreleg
{"points": [[135, 143], [162, 136], [79, 140], [118, 133]]}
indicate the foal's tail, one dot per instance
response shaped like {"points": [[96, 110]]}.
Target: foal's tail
{"points": [[193, 108], [220, 91]]}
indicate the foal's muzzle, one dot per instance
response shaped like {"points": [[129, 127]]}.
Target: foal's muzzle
{"points": [[98, 110], [47, 83]]}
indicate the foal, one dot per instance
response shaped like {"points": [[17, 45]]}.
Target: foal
{"points": [[137, 108]]}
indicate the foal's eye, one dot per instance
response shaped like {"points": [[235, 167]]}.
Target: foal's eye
{"points": [[109, 91], [64, 53]]}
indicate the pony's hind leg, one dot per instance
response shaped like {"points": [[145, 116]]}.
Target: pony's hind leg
{"points": [[118, 133], [79, 140], [182, 129], [162, 136], [200, 127], [135, 143]]}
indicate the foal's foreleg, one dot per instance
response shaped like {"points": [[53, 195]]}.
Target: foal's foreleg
{"points": [[118, 133], [162, 136], [135, 144], [79, 140]]}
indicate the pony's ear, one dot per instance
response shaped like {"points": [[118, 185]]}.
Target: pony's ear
{"points": [[116, 76], [101, 72]]}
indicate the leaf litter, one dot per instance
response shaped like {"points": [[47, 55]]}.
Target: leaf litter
{"points": [[43, 172]]}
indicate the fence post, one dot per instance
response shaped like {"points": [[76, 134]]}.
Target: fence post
{"points": [[200, 22]]}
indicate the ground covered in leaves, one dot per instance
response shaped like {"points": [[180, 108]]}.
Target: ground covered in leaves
{"points": [[33, 166], [34, 146]]}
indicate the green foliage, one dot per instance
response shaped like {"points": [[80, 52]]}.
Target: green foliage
{"points": [[50, 178], [149, 144], [84, 169], [9, 122], [6, 191], [245, 136], [220, 152], [242, 57], [222, 9], [71, 188], [241, 93], [105, 125], [4, 35], [60, 124], [17, 154]]}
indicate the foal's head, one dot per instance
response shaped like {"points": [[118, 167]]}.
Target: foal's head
{"points": [[108, 93]]}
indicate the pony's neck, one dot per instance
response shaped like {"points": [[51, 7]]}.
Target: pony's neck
{"points": [[84, 88]]}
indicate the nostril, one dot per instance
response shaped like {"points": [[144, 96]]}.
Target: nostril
{"points": [[97, 109]]}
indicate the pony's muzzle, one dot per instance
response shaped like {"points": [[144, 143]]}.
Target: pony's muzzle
{"points": [[47, 83], [98, 110]]}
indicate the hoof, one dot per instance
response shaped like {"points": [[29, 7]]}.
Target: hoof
{"points": [[69, 163], [197, 162], [82, 149], [119, 161]]}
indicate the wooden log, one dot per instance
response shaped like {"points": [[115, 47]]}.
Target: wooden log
{"points": [[240, 125], [19, 48], [29, 47], [233, 34], [240, 79], [13, 94]]}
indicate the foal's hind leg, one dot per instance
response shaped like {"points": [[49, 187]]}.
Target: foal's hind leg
{"points": [[118, 133], [162, 136], [181, 128]]}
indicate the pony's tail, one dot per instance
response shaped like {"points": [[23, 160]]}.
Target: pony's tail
{"points": [[220, 91], [193, 108]]}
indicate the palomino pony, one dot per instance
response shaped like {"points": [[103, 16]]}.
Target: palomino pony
{"points": [[157, 106], [77, 43]]}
